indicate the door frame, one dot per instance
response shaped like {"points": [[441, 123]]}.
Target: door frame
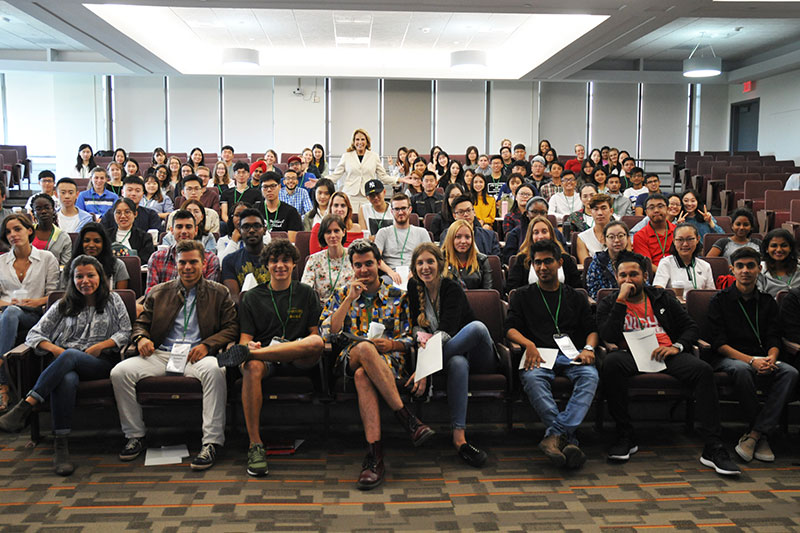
{"points": [[734, 122]]}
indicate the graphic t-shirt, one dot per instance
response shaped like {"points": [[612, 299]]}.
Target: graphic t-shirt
{"points": [[637, 319], [239, 264]]}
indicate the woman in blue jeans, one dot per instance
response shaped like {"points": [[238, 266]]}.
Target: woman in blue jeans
{"points": [[438, 304], [84, 331]]}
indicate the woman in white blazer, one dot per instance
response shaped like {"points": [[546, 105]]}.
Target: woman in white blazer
{"points": [[357, 166]]}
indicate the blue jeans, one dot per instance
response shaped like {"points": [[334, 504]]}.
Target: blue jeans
{"points": [[60, 381], [781, 383], [13, 320], [471, 349], [536, 383]]}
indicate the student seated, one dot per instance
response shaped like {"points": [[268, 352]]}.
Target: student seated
{"points": [[464, 263], [93, 241], [293, 194], [27, 276], [746, 340], [70, 218], [523, 271], [329, 269], [127, 239], [779, 263], [199, 213], [696, 214], [145, 218], [536, 317], [247, 260], [590, 241], [655, 239], [193, 190], [634, 307], [279, 336], [437, 304], [47, 235], [340, 206], [189, 317], [373, 364], [485, 240], [790, 310], [97, 200], [429, 200], [84, 332], [743, 225], [280, 216], [581, 220], [682, 269], [600, 274], [398, 242]]}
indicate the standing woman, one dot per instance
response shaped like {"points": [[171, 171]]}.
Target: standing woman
{"points": [[48, 236], [27, 276], [443, 219], [485, 209], [159, 157], [84, 164], [464, 262], [319, 158], [222, 179], [544, 146], [439, 304], [329, 268], [120, 156], [115, 173], [696, 214], [271, 159], [340, 206], [174, 167], [154, 198], [779, 265], [196, 159], [127, 239], [600, 274], [320, 200], [682, 268], [357, 166], [471, 157], [93, 241], [84, 333], [522, 272], [454, 174]]}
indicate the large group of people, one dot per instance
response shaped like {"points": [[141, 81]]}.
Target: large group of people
{"points": [[392, 252]]}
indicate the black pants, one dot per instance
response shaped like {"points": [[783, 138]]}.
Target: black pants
{"points": [[686, 368]]}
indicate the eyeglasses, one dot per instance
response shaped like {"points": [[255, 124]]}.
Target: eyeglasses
{"points": [[270, 187], [248, 227], [400, 209], [192, 189], [617, 236], [545, 261], [567, 179], [463, 212], [652, 207], [538, 213], [685, 240]]}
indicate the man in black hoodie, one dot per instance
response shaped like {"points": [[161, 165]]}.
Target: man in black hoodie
{"points": [[633, 307]]}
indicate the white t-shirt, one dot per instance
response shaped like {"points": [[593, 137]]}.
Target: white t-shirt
{"points": [[123, 237], [397, 245], [68, 224], [632, 194], [590, 240], [561, 205]]}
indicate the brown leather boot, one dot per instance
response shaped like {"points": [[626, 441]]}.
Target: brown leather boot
{"points": [[552, 446], [419, 431], [372, 468]]}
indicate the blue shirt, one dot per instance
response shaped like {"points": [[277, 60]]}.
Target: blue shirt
{"points": [[186, 314], [299, 200], [96, 204]]}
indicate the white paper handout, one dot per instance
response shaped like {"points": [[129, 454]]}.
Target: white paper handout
{"points": [[429, 358], [405, 273], [249, 282], [166, 455], [375, 330], [548, 356], [641, 344]]}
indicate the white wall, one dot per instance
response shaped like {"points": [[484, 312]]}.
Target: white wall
{"points": [[247, 113], [714, 111], [513, 114], [31, 112], [563, 114], [139, 113], [407, 116], [299, 120], [460, 115], [664, 120], [194, 114], [614, 116], [355, 103], [779, 113]]}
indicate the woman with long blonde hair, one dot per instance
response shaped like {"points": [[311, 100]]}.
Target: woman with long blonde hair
{"points": [[522, 272], [463, 261], [438, 304]]}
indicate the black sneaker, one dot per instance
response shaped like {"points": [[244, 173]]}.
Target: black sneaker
{"points": [[133, 449], [205, 458], [575, 456], [716, 456], [623, 448], [472, 455], [234, 356]]}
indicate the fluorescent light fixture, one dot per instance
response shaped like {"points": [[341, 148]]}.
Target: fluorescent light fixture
{"points": [[502, 39], [467, 58], [240, 57]]}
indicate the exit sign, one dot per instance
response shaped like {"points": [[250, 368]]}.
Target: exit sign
{"points": [[748, 86]]}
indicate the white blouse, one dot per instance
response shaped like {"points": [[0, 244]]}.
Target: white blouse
{"points": [[669, 274]]}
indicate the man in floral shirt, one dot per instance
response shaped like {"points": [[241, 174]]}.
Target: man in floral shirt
{"points": [[376, 362]]}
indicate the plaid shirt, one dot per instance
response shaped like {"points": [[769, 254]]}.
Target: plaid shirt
{"points": [[390, 307], [549, 189], [299, 200], [162, 267], [511, 221]]}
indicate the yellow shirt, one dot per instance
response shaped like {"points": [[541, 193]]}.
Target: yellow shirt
{"points": [[485, 212]]}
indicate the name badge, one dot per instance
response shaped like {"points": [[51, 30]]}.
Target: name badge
{"points": [[176, 365], [565, 345]]}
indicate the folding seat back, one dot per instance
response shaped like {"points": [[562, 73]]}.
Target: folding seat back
{"points": [[133, 264]]}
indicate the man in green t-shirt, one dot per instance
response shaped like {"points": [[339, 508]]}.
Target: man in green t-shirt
{"points": [[279, 335]]}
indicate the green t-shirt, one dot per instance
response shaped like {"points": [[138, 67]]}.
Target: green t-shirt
{"points": [[257, 315]]}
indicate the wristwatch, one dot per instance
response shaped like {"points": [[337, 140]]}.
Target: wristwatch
{"points": [[678, 345], [589, 347]]}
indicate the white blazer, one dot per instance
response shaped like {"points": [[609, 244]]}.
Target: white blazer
{"points": [[357, 173]]}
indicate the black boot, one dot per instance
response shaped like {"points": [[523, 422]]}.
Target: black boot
{"points": [[17, 418], [372, 471], [419, 432], [61, 463]]}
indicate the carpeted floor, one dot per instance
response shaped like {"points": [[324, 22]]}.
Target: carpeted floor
{"points": [[429, 489]]}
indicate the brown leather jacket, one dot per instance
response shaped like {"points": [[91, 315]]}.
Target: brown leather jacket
{"points": [[216, 313]]}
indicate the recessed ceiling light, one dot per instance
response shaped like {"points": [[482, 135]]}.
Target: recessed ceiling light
{"points": [[426, 30], [240, 57]]}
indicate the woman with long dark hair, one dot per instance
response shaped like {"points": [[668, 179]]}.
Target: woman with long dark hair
{"points": [[696, 214], [443, 219], [522, 272], [84, 163], [318, 151], [84, 332], [544, 146], [197, 159], [682, 269], [129, 240], [438, 304], [454, 174], [485, 209], [131, 167], [154, 198], [471, 158], [779, 263], [159, 157], [743, 224], [320, 200], [398, 168], [93, 241], [120, 156]]}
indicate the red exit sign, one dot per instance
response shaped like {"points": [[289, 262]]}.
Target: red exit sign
{"points": [[748, 86]]}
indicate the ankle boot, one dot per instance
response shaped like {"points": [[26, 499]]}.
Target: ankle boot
{"points": [[372, 468], [61, 463], [17, 418], [419, 432]]}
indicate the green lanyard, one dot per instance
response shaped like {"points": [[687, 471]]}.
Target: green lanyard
{"points": [[693, 276], [397, 239], [236, 200], [789, 282], [266, 212], [277, 313], [747, 316], [666, 236], [645, 314], [330, 275], [558, 308], [186, 316], [120, 242]]}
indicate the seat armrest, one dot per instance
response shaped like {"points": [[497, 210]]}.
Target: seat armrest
{"points": [[712, 187], [792, 348], [505, 365], [21, 350], [726, 198], [766, 219], [745, 203]]}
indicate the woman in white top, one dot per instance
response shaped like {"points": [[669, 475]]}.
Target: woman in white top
{"points": [[27, 276], [682, 268], [320, 199], [84, 164], [329, 269], [357, 166], [564, 203]]}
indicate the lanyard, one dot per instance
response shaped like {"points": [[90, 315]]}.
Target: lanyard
{"points": [[125, 238], [288, 310], [641, 326], [330, 275], [115, 191], [666, 236], [789, 281], [236, 200], [47, 244], [266, 212], [571, 202], [558, 309], [747, 316], [397, 239], [186, 316]]}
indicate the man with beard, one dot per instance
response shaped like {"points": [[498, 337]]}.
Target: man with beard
{"points": [[247, 260]]}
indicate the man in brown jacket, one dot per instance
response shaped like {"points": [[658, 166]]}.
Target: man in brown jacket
{"points": [[185, 322]]}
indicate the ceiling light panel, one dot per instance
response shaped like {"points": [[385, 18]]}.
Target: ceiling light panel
{"points": [[347, 43]]}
